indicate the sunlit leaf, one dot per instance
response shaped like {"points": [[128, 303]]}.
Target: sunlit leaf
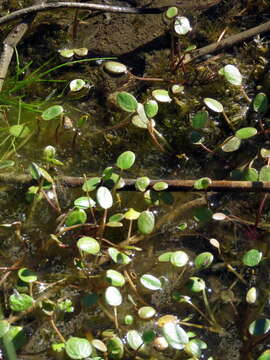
{"points": [[146, 222], [161, 95], [213, 104], [151, 108], [150, 282], [113, 296], [179, 258], [115, 278], [52, 112], [118, 257], [77, 216], [125, 160], [88, 245], [203, 260], [142, 183], [104, 197], [20, 302], [78, 348], [4, 327], [19, 131], [115, 348], [84, 202], [232, 144], [264, 174], [232, 74], [27, 275], [134, 340], [196, 284], [260, 103], [126, 101], [252, 257], [146, 312], [115, 67], [181, 25], [175, 335], [259, 327], [246, 133]]}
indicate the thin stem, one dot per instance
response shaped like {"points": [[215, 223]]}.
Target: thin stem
{"points": [[55, 328], [228, 120], [245, 94], [115, 317]]}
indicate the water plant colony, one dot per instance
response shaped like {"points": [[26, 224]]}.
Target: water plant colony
{"points": [[107, 263]]}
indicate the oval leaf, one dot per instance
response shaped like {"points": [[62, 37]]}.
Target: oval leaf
{"points": [[125, 160], [104, 197], [78, 348]]}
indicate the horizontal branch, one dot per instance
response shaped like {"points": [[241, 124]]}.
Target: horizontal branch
{"points": [[173, 185], [77, 5], [228, 42]]}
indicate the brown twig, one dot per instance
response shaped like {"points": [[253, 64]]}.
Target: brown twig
{"points": [[173, 185], [81, 6], [228, 42]]}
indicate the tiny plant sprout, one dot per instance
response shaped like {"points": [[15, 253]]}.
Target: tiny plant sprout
{"points": [[49, 152]]}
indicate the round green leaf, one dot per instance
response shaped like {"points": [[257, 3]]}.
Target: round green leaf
{"points": [[232, 144], [115, 67], [232, 75], [161, 95], [88, 245], [132, 214], [139, 122], [113, 296], [19, 131], [202, 214], [161, 185], [142, 183], [104, 197], [91, 184], [115, 348], [213, 104], [265, 153], [76, 85], [151, 108], [264, 174], [99, 345], [78, 348], [52, 112], [146, 312], [134, 340], [20, 302], [260, 103], [129, 319], [17, 336], [259, 327], [179, 258], [171, 12], [66, 53], [77, 216], [165, 257], [246, 133], [27, 275], [125, 160], [202, 183], [200, 119], [252, 257], [4, 327], [150, 282], [195, 284], [265, 355], [115, 278], [84, 202], [126, 101], [181, 25], [175, 335], [146, 222], [250, 174], [118, 257], [203, 260]]}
